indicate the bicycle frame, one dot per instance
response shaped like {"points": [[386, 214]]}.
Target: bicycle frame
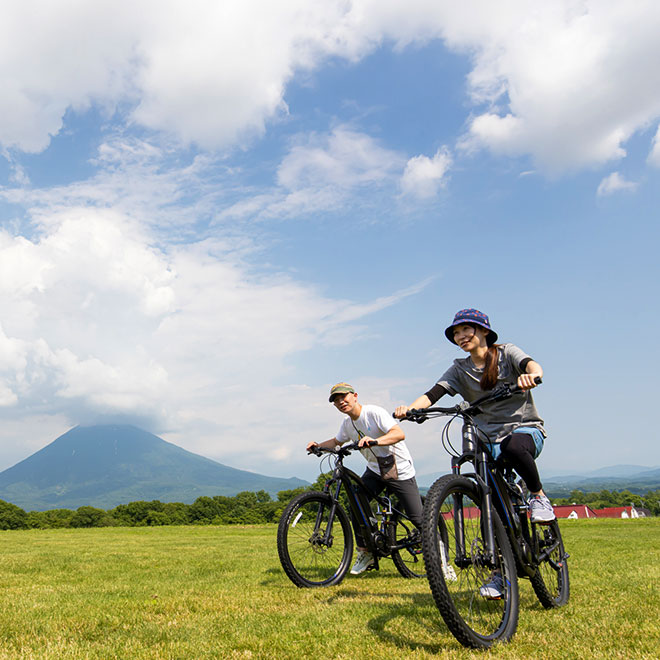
{"points": [[359, 497], [495, 495], [498, 493]]}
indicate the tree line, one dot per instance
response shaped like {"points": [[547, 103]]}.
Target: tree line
{"points": [[243, 509], [606, 498]]}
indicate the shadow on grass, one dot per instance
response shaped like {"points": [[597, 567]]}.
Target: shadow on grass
{"points": [[419, 609]]}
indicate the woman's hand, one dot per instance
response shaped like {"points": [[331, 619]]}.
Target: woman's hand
{"points": [[401, 412], [527, 381]]}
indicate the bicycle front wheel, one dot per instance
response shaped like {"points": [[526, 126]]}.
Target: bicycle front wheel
{"points": [[550, 582], [407, 559], [458, 568], [314, 550]]}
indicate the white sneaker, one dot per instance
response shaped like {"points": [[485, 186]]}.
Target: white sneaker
{"points": [[448, 571], [541, 509], [364, 561], [493, 590]]}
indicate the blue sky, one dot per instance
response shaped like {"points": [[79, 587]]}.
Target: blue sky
{"points": [[211, 213]]}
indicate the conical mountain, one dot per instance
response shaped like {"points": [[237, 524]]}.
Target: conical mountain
{"points": [[104, 466]]}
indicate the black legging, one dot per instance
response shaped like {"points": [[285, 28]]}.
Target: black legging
{"points": [[405, 489], [519, 450]]}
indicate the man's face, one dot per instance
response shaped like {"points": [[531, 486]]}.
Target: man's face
{"points": [[345, 402]]}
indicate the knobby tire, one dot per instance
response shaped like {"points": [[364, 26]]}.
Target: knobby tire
{"points": [[306, 557], [476, 622], [550, 582], [408, 560]]}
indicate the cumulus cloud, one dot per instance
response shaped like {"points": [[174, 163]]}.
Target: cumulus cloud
{"points": [[207, 73], [654, 156], [561, 80], [113, 311], [344, 158], [613, 183], [323, 171], [423, 176], [556, 81]]}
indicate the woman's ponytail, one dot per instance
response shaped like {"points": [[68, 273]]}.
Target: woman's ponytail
{"points": [[489, 377]]}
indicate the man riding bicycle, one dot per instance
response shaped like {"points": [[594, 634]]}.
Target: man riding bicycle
{"points": [[389, 463]]}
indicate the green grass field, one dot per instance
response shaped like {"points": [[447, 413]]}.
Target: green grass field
{"points": [[219, 592]]}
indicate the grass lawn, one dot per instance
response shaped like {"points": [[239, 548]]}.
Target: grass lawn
{"points": [[219, 592]]}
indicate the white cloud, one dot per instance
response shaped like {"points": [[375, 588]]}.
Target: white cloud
{"points": [[613, 183], [345, 158], [654, 156], [423, 176], [205, 72], [109, 315], [566, 82], [322, 171]]}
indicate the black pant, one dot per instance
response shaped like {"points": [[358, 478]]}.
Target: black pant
{"points": [[519, 450], [405, 489]]}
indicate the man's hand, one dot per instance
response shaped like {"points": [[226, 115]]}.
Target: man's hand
{"points": [[366, 442], [311, 445]]}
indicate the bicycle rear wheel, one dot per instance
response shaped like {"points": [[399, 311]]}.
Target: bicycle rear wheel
{"points": [[312, 553], [457, 566], [550, 582], [408, 560]]}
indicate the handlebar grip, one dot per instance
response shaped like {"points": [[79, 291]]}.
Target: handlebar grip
{"points": [[514, 388]]}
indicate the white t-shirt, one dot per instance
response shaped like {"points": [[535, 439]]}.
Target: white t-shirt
{"points": [[375, 422]]}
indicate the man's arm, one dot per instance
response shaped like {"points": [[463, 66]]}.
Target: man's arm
{"points": [[394, 435], [327, 444]]}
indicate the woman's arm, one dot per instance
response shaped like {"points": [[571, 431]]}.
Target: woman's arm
{"points": [[533, 370], [420, 402]]}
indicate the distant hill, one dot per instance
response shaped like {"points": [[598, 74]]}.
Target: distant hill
{"points": [[104, 466], [635, 478]]}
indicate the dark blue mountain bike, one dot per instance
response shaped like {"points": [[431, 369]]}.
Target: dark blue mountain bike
{"points": [[476, 528], [315, 538]]}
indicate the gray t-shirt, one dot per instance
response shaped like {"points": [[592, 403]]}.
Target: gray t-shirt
{"points": [[499, 418]]}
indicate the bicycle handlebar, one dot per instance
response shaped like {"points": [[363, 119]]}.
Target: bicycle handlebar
{"points": [[501, 392], [343, 450]]}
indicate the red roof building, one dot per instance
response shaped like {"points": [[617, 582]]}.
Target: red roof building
{"points": [[620, 512], [574, 511]]}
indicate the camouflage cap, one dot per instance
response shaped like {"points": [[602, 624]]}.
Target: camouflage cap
{"points": [[340, 388]]}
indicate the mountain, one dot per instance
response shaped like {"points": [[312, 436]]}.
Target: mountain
{"points": [[635, 478], [616, 471], [104, 466]]}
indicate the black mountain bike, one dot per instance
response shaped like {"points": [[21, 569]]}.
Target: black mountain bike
{"points": [[476, 528], [315, 539]]}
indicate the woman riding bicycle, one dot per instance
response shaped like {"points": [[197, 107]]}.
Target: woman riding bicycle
{"points": [[513, 427], [389, 464]]}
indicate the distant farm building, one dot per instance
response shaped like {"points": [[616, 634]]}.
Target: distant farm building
{"points": [[574, 511], [621, 512]]}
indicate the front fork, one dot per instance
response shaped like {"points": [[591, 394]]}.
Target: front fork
{"points": [[327, 535], [480, 462]]}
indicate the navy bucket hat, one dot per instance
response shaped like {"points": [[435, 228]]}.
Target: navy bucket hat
{"points": [[472, 317]]}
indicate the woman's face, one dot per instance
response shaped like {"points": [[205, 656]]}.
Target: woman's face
{"points": [[470, 337]]}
